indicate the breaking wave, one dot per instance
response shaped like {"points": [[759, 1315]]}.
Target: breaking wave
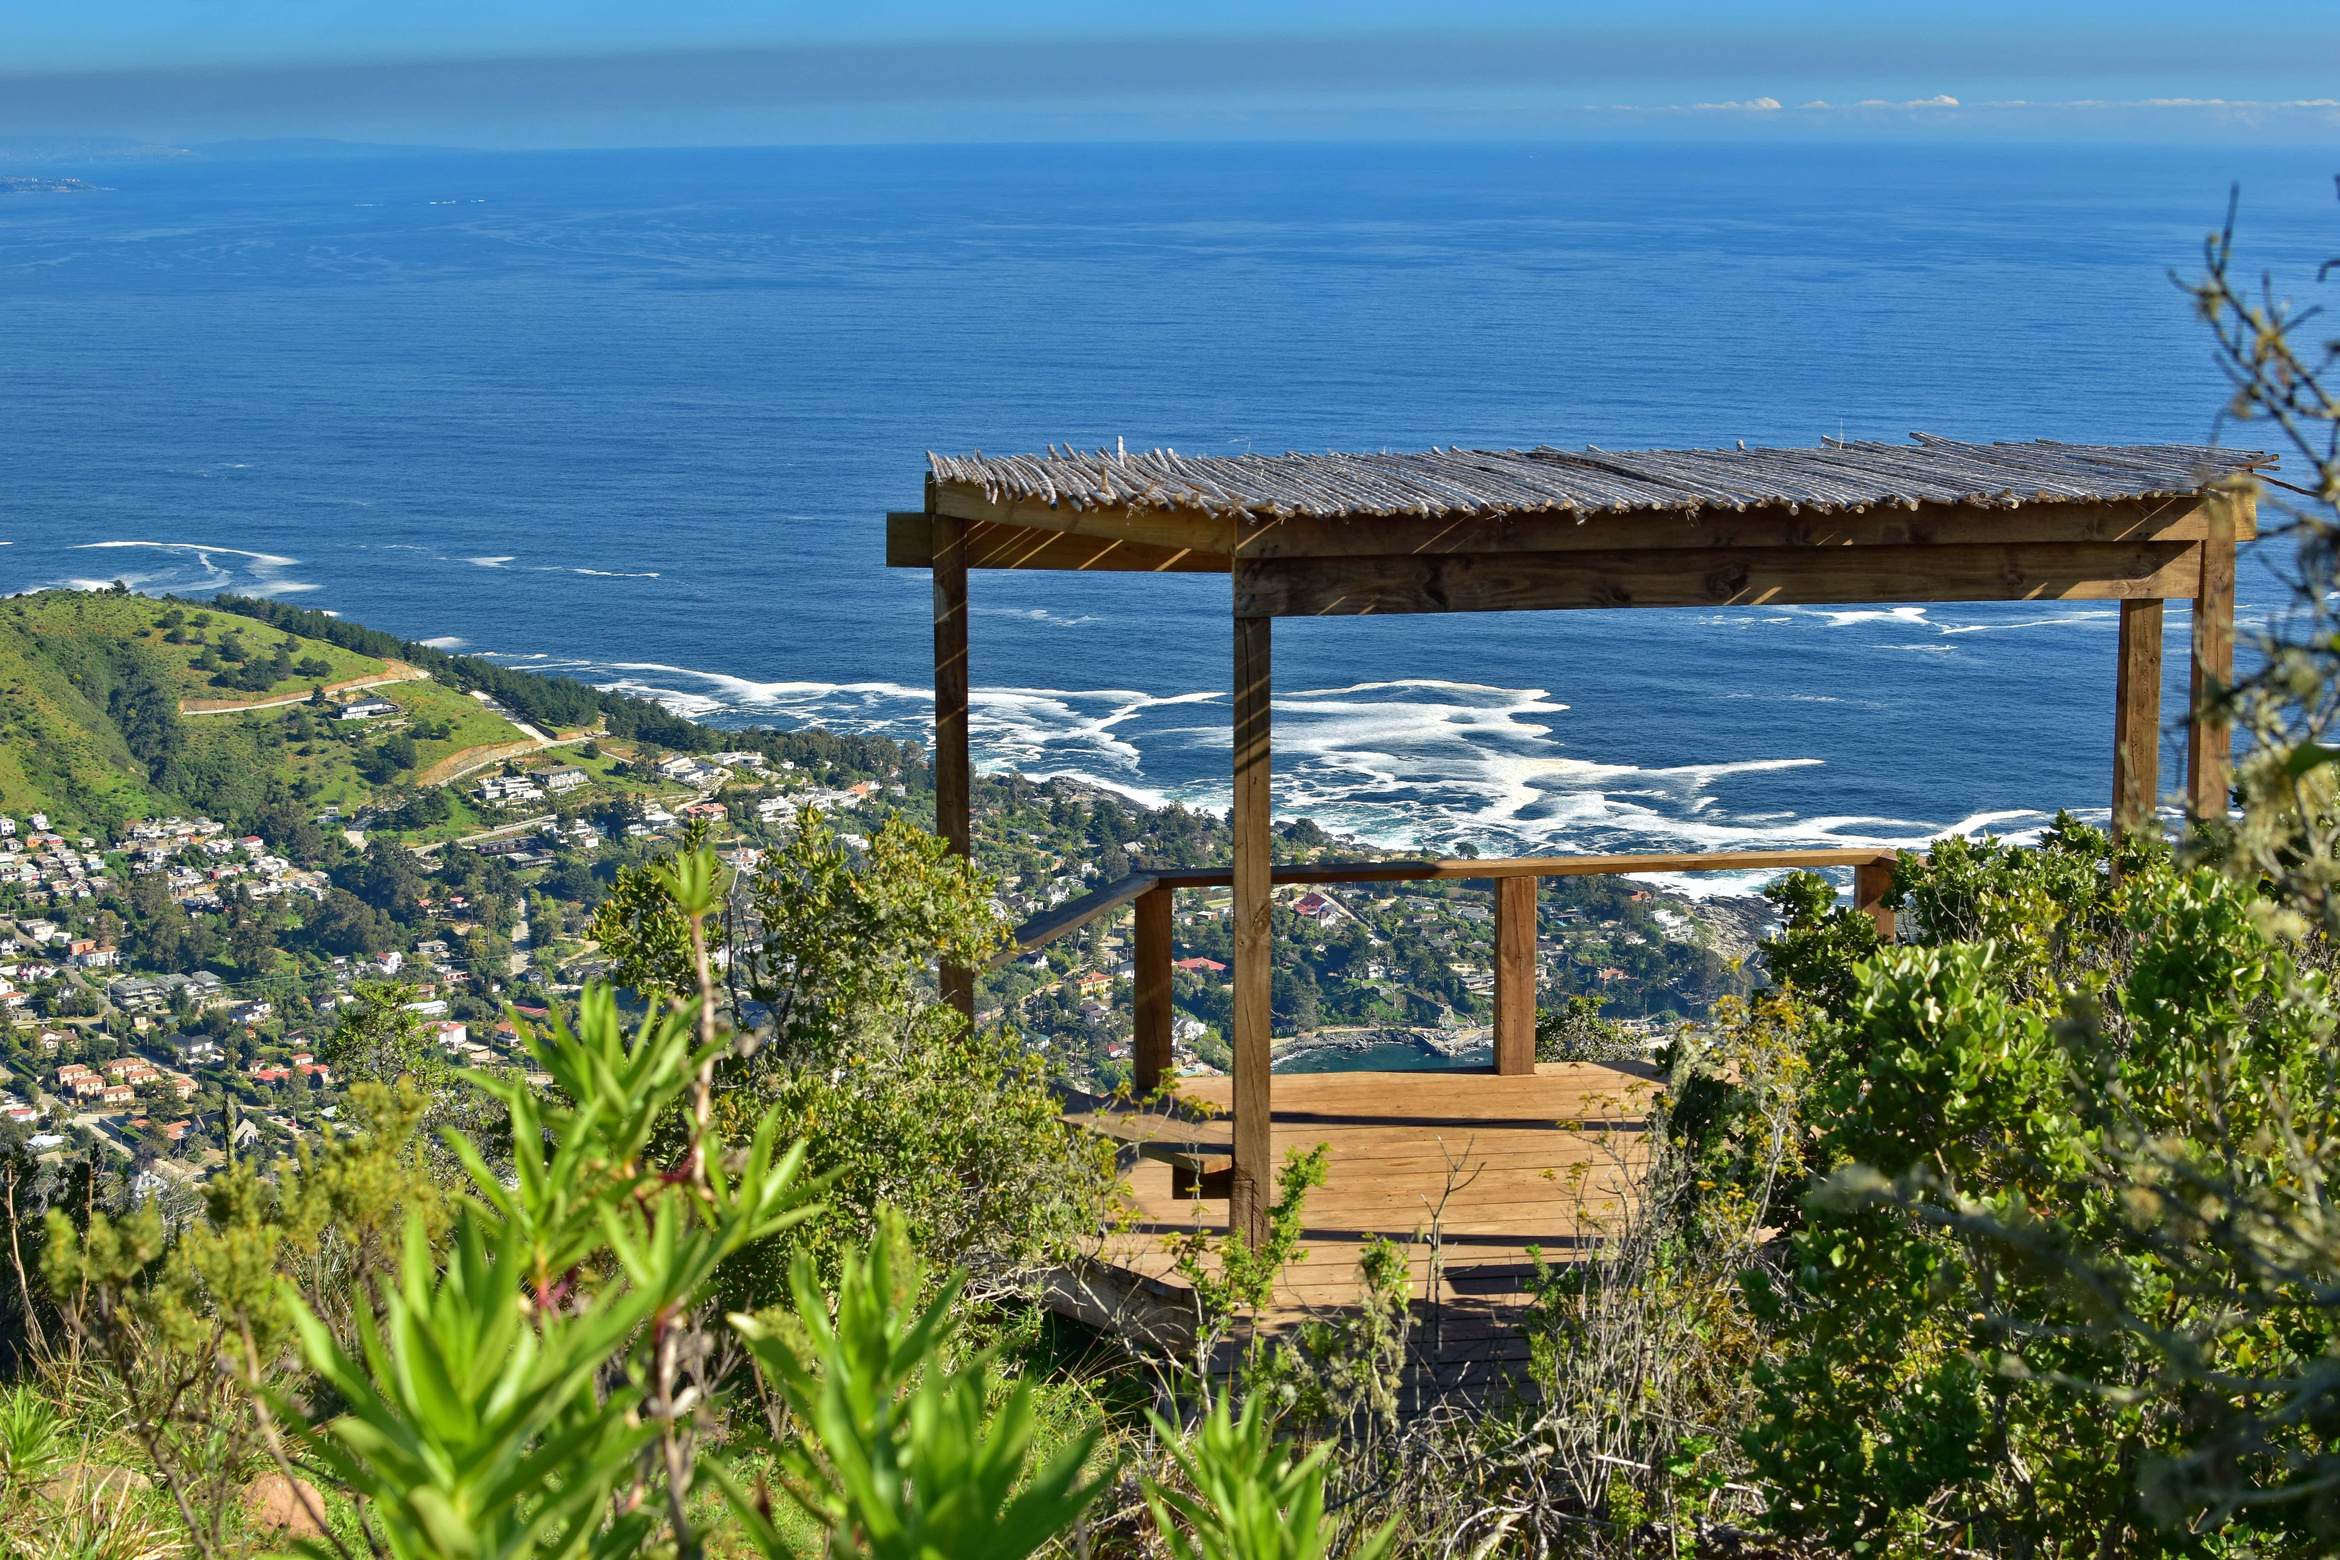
{"points": [[190, 567], [1410, 764]]}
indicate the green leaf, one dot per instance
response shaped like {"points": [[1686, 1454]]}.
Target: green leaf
{"points": [[2307, 756]]}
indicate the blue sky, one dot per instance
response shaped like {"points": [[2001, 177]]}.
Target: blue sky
{"points": [[587, 72]]}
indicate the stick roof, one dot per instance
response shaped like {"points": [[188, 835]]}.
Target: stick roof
{"points": [[1837, 476]]}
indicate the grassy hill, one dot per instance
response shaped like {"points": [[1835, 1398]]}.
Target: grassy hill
{"points": [[116, 706]]}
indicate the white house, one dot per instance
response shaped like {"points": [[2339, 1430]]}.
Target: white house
{"points": [[564, 780], [367, 709]]}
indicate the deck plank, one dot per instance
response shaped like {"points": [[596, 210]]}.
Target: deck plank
{"points": [[1530, 1157]]}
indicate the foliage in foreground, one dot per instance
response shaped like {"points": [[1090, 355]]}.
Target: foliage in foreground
{"points": [[898, 1104], [536, 1361], [2010, 1312]]}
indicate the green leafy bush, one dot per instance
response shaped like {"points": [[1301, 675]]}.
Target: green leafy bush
{"points": [[1576, 1032], [908, 1456], [1243, 1494], [1993, 1321], [900, 1105]]}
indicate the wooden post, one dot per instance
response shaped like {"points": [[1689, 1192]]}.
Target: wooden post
{"points": [[2137, 719], [1872, 881], [1252, 1188], [1150, 1048], [953, 775], [1515, 975], [2209, 742]]}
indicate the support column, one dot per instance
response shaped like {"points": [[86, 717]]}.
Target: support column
{"points": [[2137, 719], [1150, 1048], [1515, 975], [952, 771], [1252, 1187], [2210, 743], [1872, 881]]}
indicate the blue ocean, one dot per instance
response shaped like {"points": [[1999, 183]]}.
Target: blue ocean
{"points": [[637, 417]]}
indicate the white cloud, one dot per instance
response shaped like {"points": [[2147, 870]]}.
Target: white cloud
{"points": [[1818, 107]]}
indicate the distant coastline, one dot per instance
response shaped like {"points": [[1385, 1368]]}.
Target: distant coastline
{"points": [[24, 184]]}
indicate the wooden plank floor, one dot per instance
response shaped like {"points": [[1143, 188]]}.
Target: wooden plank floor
{"points": [[1505, 1156]]}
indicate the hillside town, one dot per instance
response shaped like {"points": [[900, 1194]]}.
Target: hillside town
{"points": [[167, 988], [172, 980]]}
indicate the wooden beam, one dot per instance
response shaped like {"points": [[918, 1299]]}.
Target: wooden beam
{"points": [[1928, 525], [1075, 914], [1515, 975], [1872, 881], [1745, 577], [909, 539], [1265, 537], [1150, 1047], [2137, 719], [1187, 530], [953, 771], [910, 545], [1253, 1188], [2210, 741]]}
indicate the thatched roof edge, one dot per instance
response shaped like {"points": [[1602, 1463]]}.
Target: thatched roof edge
{"points": [[1834, 477]]}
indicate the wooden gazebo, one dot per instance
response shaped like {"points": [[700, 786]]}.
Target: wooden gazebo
{"points": [[1459, 530]]}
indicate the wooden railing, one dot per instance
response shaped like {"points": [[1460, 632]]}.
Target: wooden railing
{"points": [[1515, 924]]}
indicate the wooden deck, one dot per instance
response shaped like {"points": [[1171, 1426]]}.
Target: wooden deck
{"points": [[1490, 1165]]}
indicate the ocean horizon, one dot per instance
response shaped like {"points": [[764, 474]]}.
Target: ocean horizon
{"points": [[637, 417]]}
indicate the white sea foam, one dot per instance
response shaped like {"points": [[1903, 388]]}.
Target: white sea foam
{"points": [[1801, 698], [262, 572], [444, 642], [505, 560], [1845, 619], [749, 694], [1412, 764], [1034, 615], [1041, 732], [1938, 617], [2068, 620], [272, 560]]}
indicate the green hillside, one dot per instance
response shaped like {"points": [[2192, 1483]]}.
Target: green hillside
{"points": [[116, 706]]}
